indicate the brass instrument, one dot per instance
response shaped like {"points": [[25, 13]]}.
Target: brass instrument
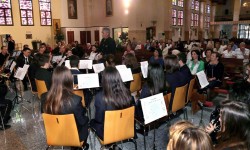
{"points": [[3, 66]]}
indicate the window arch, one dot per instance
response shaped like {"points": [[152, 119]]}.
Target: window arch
{"points": [[6, 13]]}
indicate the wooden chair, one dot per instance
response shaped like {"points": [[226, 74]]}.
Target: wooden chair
{"points": [[61, 130], [136, 84], [118, 126], [41, 87], [179, 100], [80, 93], [190, 90]]}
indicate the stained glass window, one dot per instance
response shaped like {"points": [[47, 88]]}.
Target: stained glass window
{"points": [[180, 3], [207, 21], [45, 12], [5, 13], [196, 20], [26, 11], [192, 4], [208, 9], [174, 15], [197, 5], [180, 18], [174, 2]]}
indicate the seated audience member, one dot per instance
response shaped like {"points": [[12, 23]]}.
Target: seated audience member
{"points": [[3, 55], [157, 58], [128, 50], [23, 59], [5, 105], [208, 54], [196, 64], [218, 48], [60, 100], [210, 43], [228, 53], [42, 73], [139, 46], [184, 68], [189, 55], [247, 77], [214, 71], [188, 45], [74, 62], [185, 136], [223, 45], [234, 132], [154, 85], [234, 46], [88, 49], [242, 52], [94, 53], [114, 96], [174, 77]]}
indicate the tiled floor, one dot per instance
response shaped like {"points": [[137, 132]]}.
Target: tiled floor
{"points": [[27, 131]]}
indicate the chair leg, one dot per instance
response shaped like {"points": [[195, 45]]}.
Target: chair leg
{"points": [[144, 138], [47, 148]]}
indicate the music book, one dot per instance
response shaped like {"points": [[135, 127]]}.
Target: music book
{"points": [[21, 72], [67, 64], [62, 61], [202, 79], [86, 81], [98, 67], [56, 58], [144, 69], [85, 64], [153, 108], [125, 73]]}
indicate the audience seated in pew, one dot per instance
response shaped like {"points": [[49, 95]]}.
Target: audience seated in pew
{"points": [[196, 64], [157, 57], [60, 99], [42, 73], [113, 96], [207, 57]]}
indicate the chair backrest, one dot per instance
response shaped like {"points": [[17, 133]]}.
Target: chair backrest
{"points": [[32, 85], [80, 93], [136, 84], [41, 87], [61, 130], [179, 100], [118, 125], [190, 90]]}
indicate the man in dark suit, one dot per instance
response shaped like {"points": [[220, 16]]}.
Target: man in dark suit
{"points": [[23, 59], [42, 73], [11, 44], [107, 45], [3, 55]]}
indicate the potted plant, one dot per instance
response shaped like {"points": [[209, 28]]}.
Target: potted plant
{"points": [[59, 37]]}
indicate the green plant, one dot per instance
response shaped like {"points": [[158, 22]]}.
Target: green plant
{"points": [[59, 37]]}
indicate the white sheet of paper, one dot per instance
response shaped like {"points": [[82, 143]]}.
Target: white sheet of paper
{"points": [[12, 66], [20, 73], [85, 64], [120, 67], [67, 64], [88, 80], [56, 58], [144, 69], [98, 67], [153, 108], [62, 61], [26, 67], [18, 53], [125, 73], [202, 79], [14, 54]]}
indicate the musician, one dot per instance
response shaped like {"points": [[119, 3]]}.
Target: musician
{"points": [[11, 44], [6, 105], [22, 59], [3, 55], [42, 73]]}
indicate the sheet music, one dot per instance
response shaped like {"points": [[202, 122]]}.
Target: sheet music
{"points": [[98, 67], [12, 66], [21, 72], [56, 58], [67, 64], [125, 73], [85, 64], [25, 66], [62, 61], [153, 108], [144, 69], [202, 79], [88, 80]]}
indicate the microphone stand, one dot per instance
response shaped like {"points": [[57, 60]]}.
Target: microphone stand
{"points": [[200, 104]]}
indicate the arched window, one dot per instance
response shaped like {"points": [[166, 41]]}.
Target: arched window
{"points": [[45, 12], [26, 12], [6, 13]]}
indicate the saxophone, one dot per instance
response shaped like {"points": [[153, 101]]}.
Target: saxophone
{"points": [[3, 66]]}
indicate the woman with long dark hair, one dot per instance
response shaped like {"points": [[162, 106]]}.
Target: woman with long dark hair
{"points": [[60, 99], [196, 64], [235, 126], [114, 96], [154, 85]]}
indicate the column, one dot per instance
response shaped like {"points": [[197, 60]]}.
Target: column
{"points": [[201, 19], [236, 15], [212, 18], [187, 19], [168, 19]]}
